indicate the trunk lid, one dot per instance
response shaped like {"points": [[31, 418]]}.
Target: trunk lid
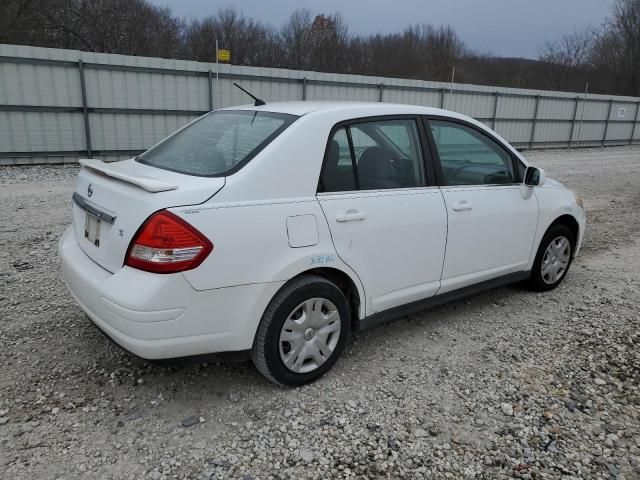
{"points": [[112, 200]]}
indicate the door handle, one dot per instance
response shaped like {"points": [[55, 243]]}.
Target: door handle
{"points": [[350, 216], [462, 205]]}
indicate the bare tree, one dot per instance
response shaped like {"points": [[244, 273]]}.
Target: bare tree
{"points": [[316, 43], [617, 49], [250, 42], [296, 38], [421, 51], [132, 27], [444, 48], [328, 43], [359, 57], [21, 21], [565, 59]]}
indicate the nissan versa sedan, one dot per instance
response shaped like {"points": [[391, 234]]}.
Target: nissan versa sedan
{"points": [[279, 228]]}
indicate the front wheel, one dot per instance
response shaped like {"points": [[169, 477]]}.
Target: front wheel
{"points": [[553, 258], [302, 332]]}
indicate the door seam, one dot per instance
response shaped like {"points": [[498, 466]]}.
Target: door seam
{"points": [[355, 272], [446, 239]]}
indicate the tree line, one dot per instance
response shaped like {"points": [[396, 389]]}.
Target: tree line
{"points": [[606, 58]]}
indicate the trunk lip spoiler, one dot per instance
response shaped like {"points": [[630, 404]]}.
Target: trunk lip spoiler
{"points": [[149, 184], [89, 207]]}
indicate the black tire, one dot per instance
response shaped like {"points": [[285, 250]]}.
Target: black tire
{"points": [[266, 348], [536, 281]]}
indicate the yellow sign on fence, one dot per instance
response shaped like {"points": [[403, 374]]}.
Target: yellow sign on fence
{"points": [[224, 55]]}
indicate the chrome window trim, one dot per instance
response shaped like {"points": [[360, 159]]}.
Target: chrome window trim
{"points": [[378, 190], [482, 185], [89, 207]]}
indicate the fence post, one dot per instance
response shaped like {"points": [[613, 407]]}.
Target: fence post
{"points": [[381, 94], [606, 125], [85, 109], [534, 122], [210, 90], [443, 92], [495, 110], [635, 123], [304, 88], [573, 122]]}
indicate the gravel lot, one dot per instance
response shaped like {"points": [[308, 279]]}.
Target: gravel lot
{"points": [[506, 384]]}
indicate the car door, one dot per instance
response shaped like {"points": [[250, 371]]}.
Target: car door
{"points": [[492, 220], [386, 215]]}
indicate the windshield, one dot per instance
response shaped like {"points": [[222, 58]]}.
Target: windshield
{"points": [[217, 144]]}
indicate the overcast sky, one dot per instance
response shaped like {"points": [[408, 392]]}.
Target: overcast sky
{"points": [[504, 27]]}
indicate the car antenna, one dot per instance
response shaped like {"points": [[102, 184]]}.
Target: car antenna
{"points": [[258, 101]]}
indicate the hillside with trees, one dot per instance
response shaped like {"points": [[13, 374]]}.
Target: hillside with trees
{"points": [[607, 58]]}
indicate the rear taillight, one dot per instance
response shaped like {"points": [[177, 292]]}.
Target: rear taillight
{"points": [[167, 244]]}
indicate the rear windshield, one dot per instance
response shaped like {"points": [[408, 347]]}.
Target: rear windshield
{"points": [[217, 144]]}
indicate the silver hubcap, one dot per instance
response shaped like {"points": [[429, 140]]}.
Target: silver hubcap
{"points": [[309, 335], [556, 260]]}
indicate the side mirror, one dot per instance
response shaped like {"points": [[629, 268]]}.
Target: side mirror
{"points": [[534, 177]]}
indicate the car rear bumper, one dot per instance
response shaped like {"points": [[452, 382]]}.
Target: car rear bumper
{"points": [[161, 316]]}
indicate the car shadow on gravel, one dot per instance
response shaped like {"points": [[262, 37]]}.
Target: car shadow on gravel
{"points": [[232, 371], [450, 312]]}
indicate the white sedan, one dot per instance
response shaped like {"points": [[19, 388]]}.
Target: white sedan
{"points": [[279, 228]]}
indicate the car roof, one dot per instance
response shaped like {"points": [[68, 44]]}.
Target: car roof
{"points": [[300, 108], [349, 110]]}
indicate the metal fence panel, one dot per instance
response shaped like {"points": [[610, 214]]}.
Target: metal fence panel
{"points": [[60, 105], [113, 89], [518, 107], [23, 84], [477, 106], [556, 109], [41, 131], [133, 132], [553, 132], [413, 96], [590, 133], [336, 92], [619, 132], [517, 132]]}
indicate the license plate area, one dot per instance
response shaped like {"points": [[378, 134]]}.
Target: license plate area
{"points": [[92, 226]]}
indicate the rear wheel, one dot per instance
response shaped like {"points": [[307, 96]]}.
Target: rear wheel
{"points": [[302, 332], [553, 258]]}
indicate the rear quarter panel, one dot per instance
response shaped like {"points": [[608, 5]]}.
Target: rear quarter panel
{"points": [[251, 244]]}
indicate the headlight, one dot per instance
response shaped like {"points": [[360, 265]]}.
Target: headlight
{"points": [[578, 200]]}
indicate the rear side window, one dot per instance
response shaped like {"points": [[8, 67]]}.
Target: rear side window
{"points": [[468, 157], [217, 144], [339, 174], [374, 155]]}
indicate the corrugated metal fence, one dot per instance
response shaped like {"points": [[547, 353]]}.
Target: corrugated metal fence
{"points": [[61, 105]]}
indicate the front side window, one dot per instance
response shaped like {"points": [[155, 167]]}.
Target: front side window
{"points": [[374, 155], [468, 157], [218, 143]]}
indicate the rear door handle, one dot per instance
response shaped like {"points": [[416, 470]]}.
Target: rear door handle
{"points": [[350, 216], [462, 205]]}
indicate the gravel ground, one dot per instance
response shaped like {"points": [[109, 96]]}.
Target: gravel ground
{"points": [[505, 384]]}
